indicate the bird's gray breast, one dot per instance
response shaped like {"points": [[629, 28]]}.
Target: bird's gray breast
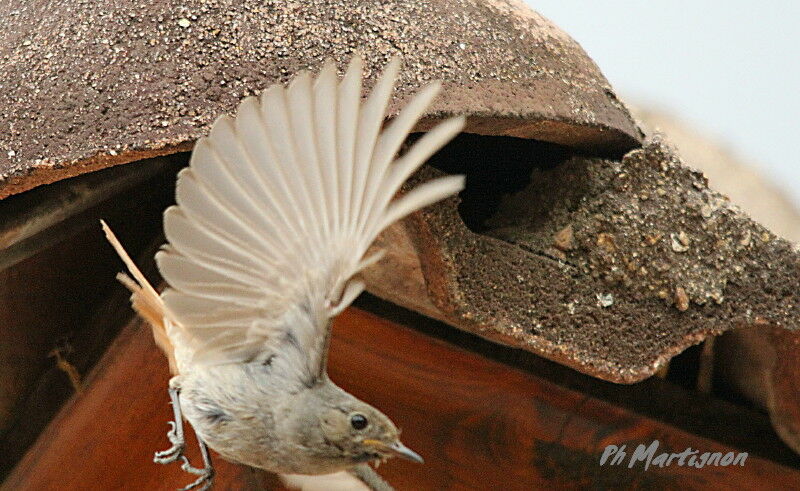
{"points": [[237, 410]]}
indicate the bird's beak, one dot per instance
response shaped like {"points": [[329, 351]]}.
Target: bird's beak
{"points": [[401, 450], [396, 449]]}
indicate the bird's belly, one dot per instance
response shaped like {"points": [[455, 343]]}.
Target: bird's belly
{"points": [[278, 463], [233, 410], [269, 454]]}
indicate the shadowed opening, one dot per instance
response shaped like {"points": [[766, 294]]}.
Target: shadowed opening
{"points": [[495, 166]]}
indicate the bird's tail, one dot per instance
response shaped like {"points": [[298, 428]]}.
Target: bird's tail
{"points": [[144, 298]]}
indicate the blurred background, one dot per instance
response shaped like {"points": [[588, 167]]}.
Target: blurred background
{"points": [[728, 69]]}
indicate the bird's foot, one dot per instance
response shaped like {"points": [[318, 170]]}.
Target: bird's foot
{"points": [[206, 479], [174, 452]]}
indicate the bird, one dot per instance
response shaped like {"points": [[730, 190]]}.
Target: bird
{"points": [[273, 220]]}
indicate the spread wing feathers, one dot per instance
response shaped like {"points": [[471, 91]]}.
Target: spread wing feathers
{"points": [[144, 299], [278, 207]]}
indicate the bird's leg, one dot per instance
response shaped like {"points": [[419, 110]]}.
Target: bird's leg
{"points": [[206, 474], [175, 452], [175, 435]]}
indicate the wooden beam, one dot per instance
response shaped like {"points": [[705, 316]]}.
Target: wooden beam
{"points": [[479, 424], [56, 292], [43, 217]]}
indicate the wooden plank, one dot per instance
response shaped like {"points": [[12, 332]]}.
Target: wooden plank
{"points": [[479, 424], [42, 217], [482, 424], [105, 437], [763, 364], [57, 294]]}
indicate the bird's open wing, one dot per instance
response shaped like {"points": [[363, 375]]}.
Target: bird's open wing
{"points": [[278, 206]]}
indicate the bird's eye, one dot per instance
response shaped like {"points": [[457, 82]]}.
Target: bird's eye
{"points": [[358, 421]]}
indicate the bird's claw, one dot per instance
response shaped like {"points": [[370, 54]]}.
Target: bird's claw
{"points": [[169, 455], [172, 434], [204, 482], [174, 452]]}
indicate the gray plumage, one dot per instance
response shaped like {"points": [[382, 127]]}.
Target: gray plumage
{"points": [[273, 218], [261, 415]]}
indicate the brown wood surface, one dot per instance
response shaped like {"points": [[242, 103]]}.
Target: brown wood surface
{"points": [[763, 364], [56, 294], [783, 385], [479, 423]]}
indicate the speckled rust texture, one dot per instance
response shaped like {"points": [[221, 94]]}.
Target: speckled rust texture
{"points": [[653, 262], [86, 84]]}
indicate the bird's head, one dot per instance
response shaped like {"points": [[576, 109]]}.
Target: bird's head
{"points": [[361, 433]]}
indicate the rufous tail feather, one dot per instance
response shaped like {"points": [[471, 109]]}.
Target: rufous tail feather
{"points": [[144, 298]]}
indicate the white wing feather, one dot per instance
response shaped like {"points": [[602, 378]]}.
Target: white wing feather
{"points": [[278, 207]]}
